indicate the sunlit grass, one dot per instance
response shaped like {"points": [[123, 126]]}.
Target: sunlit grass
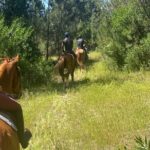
{"points": [[102, 109]]}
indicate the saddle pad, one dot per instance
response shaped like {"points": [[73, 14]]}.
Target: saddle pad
{"points": [[8, 120]]}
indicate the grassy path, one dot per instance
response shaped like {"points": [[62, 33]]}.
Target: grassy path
{"points": [[101, 110]]}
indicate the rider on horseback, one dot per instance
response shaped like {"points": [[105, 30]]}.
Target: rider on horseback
{"points": [[67, 44], [81, 45]]}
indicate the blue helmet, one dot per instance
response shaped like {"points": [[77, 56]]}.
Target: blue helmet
{"points": [[66, 34]]}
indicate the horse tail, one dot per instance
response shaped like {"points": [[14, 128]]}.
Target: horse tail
{"points": [[60, 67], [81, 57], [65, 70], [59, 64], [69, 62]]}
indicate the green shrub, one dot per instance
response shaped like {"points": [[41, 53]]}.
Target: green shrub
{"points": [[116, 52], [129, 40], [36, 74], [18, 38], [142, 144], [139, 56], [14, 38]]}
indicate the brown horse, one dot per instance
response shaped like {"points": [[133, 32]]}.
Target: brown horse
{"points": [[10, 78], [81, 57], [11, 84], [66, 66], [8, 137]]}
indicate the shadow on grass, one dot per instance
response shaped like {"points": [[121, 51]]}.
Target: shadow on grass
{"points": [[79, 83], [59, 87], [107, 80], [91, 62]]}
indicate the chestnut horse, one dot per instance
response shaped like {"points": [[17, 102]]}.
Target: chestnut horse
{"points": [[66, 66], [8, 137], [81, 57], [10, 78], [10, 83]]}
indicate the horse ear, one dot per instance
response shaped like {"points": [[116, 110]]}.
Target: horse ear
{"points": [[17, 58]]}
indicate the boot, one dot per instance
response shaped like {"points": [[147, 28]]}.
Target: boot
{"points": [[26, 137]]}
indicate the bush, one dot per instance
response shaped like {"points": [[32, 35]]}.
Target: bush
{"points": [[116, 52], [14, 38], [36, 73], [129, 40], [17, 38], [139, 56]]}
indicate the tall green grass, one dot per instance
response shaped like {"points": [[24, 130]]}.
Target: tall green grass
{"points": [[101, 110]]}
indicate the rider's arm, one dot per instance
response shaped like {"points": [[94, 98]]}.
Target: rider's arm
{"points": [[84, 45], [62, 46]]}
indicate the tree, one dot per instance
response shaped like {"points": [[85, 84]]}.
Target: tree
{"points": [[126, 41]]}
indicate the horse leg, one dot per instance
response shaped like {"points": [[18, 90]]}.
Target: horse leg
{"points": [[64, 83], [72, 76], [82, 63], [83, 66], [67, 80], [63, 79]]}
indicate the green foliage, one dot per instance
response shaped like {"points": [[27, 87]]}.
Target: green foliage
{"points": [[35, 74], [129, 36], [14, 38], [13, 9], [139, 56], [25, 9], [119, 28], [142, 144], [116, 52], [18, 39]]}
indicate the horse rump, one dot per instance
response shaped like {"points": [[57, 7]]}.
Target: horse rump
{"points": [[81, 57], [66, 66]]}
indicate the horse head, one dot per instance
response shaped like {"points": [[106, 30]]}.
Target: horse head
{"points": [[10, 77]]}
